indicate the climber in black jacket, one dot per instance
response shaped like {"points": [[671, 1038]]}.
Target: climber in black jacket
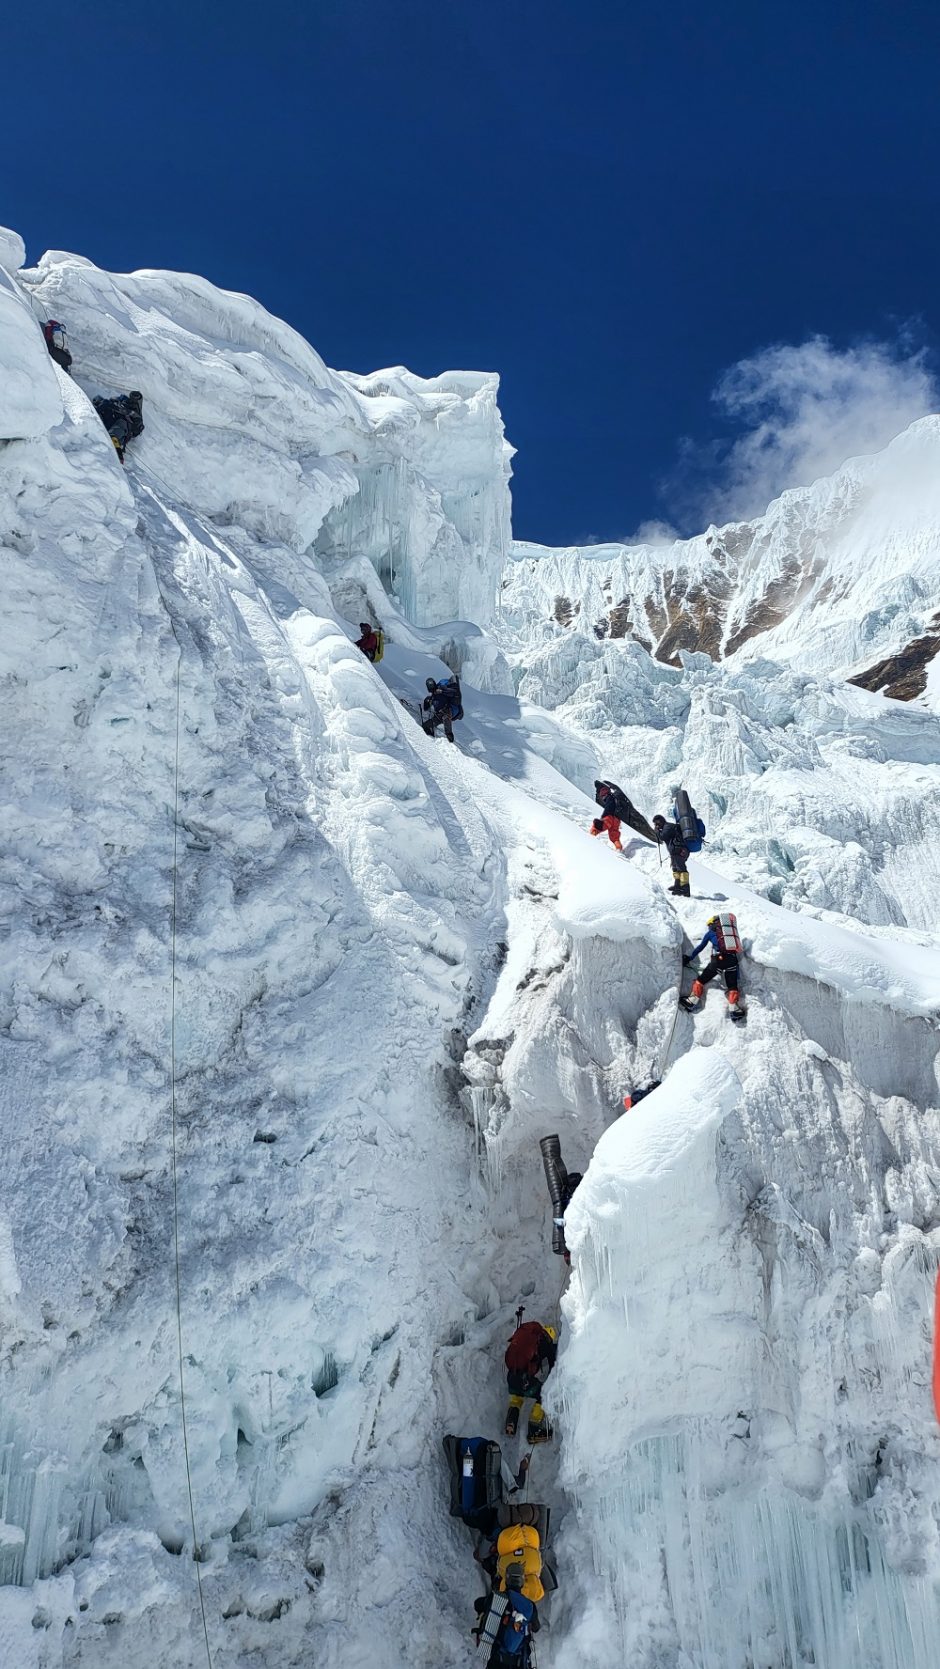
{"points": [[122, 418]]}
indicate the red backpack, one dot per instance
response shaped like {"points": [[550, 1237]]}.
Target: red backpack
{"points": [[524, 1350]]}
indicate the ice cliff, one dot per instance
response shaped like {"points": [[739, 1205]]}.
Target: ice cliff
{"points": [[286, 978]]}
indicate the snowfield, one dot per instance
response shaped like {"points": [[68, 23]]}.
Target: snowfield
{"points": [[293, 989]]}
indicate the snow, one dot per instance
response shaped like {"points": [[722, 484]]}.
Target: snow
{"points": [[398, 963], [839, 574], [30, 399], [247, 424], [12, 250]]}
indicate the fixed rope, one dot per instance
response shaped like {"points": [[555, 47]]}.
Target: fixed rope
{"points": [[176, 1202]]}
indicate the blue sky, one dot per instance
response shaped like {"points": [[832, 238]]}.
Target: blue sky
{"points": [[609, 203]]}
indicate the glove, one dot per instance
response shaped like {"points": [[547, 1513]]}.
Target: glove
{"points": [[596, 826], [687, 961]]}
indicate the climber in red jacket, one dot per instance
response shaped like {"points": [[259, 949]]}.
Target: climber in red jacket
{"points": [[530, 1357]]}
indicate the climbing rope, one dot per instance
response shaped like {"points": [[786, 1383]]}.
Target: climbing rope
{"points": [[176, 1205]]}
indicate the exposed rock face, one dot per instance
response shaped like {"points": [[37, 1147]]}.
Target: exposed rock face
{"points": [[903, 676]]}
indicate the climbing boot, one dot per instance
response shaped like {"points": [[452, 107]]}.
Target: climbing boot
{"points": [[512, 1422], [686, 891], [694, 997], [675, 890], [117, 447], [539, 1431]]}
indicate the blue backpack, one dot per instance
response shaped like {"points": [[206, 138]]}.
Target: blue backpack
{"points": [[689, 821], [450, 687], [513, 1639], [476, 1483]]}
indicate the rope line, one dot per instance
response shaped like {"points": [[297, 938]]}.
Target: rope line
{"points": [[176, 1208]]}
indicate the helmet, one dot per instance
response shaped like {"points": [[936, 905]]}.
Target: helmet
{"points": [[515, 1576], [430, 684], [711, 921], [552, 1333], [135, 397], [365, 625]]}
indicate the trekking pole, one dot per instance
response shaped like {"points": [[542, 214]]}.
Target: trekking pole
{"points": [[659, 848]]}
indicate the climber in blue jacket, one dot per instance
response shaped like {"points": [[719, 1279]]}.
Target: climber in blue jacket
{"points": [[441, 705]]}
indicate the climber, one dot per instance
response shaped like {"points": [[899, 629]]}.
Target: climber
{"points": [[633, 1096], [614, 803], [58, 343], [670, 835], [612, 825], [722, 934], [441, 705], [530, 1357], [369, 641], [122, 418], [508, 1620]]}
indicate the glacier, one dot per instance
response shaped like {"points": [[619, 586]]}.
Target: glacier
{"points": [[288, 979]]}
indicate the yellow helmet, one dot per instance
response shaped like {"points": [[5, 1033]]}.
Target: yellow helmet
{"points": [[552, 1333]]}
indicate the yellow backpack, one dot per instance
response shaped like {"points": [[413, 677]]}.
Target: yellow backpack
{"points": [[519, 1545], [381, 648]]}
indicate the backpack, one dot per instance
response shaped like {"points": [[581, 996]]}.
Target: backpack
{"points": [[380, 650], [476, 1483], [55, 334], [106, 409], [450, 689], [523, 1353], [726, 932], [519, 1546], [691, 825]]}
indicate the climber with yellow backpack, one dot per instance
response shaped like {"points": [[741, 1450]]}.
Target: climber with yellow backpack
{"points": [[372, 641]]}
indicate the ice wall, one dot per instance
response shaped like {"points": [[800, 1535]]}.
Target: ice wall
{"points": [[749, 1437], [247, 425], [195, 742]]}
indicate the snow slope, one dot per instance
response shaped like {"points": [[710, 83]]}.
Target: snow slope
{"points": [[842, 577], [263, 934]]}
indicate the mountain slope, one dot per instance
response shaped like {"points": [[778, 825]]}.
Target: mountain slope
{"points": [[262, 931], [842, 576]]}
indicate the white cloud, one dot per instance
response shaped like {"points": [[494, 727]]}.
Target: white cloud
{"points": [[653, 532], [806, 409]]}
